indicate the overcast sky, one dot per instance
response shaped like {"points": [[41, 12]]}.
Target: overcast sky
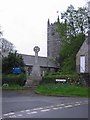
{"points": [[24, 22]]}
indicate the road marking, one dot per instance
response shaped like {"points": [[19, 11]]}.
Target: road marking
{"points": [[60, 107], [32, 112], [37, 108], [45, 110], [62, 104], [77, 104], [13, 116], [55, 108], [11, 113], [5, 114], [27, 110], [68, 106], [8, 114]]}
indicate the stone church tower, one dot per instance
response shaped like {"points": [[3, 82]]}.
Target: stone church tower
{"points": [[53, 40]]}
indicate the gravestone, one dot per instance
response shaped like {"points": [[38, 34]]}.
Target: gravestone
{"points": [[35, 77]]}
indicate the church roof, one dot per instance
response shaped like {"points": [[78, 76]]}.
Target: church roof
{"points": [[43, 61]]}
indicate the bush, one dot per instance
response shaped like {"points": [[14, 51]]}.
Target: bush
{"points": [[70, 78], [12, 79]]}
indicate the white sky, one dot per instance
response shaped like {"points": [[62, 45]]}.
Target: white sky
{"points": [[24, 22]]}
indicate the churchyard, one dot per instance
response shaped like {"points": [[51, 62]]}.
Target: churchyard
{"points": [[64, 72], [53, 83]]}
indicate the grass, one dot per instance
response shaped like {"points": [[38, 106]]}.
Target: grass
{"points": [[12, 87], [62, 90], [55, 89]]}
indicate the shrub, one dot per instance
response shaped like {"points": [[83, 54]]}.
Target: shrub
{"points": [[70, 78], [12, 79]]}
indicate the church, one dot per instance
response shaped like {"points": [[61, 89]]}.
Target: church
{"points": [[53, 46]]}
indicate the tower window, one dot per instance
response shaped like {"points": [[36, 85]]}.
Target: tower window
{"points": [[53, 33]]}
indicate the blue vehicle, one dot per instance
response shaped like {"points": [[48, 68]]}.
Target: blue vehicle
{"points": [[16, 70]]}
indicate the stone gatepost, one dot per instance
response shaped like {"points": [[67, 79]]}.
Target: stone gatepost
{"points": [[35, 77]]}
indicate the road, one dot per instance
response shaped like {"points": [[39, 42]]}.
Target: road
{"points": [[23, 105]]}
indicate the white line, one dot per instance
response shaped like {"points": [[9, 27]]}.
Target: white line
{"points": [[8, 114], [62, 104], [68, 106], [45, 110], [60, 107], [11, 113], [5, 114], [27, 110], [37, 108], [77, 104], [32, 112], [49, 106], [55, 108]]}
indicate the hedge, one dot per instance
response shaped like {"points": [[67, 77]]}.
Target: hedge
{"points": [[12, 79], [70, 78]]}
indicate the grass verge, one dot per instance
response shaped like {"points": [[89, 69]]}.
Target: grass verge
{"points": [[62, 90], [12, 87]]}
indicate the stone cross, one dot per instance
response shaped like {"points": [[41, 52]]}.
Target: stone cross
{"points": [[36, 49], [35, 76]]}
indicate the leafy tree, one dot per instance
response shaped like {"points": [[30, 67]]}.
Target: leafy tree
{"points": [[76, 20], [12, 60], [72, 31], [68, 53]]}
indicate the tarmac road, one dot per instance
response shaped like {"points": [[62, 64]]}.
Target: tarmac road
{"points": [[31, 105]]}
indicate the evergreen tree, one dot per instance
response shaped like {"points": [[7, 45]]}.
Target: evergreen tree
{"points": [[11, 61]]}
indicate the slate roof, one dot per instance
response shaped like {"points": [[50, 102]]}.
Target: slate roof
{"points": [[43, 61]]}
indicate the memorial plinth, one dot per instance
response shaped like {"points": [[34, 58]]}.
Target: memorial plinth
{"points": [[35, 77]]}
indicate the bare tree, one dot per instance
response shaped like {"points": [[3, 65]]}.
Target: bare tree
{"points": [[5, 46]]}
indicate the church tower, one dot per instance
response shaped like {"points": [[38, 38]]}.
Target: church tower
{"points": [[53, 40]]}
